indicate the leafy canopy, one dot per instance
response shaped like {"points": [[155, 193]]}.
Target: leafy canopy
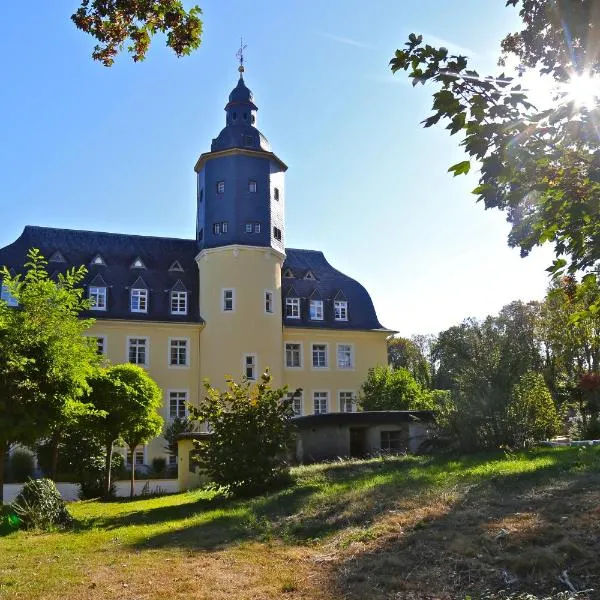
{"points": [[113, 23], [541, 166]]}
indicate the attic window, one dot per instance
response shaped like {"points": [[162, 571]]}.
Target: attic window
{"points": [[288, 273], [97, 260], [309, 275], [57, 257], [248, 140], [176, 266], [138, 264]]}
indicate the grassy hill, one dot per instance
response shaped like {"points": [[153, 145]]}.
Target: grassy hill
{"points": [[402, 527]]}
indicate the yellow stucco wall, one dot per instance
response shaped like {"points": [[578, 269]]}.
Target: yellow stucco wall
{"points": [[228, 336], [369, 349], [169, 378]]}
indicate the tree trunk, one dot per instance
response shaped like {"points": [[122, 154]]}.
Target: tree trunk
{"points": [[54, 444], [3, 448], [132, 490], [107, 469]]}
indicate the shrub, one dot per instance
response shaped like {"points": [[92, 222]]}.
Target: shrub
{"points": [[393, 389], [159, 466], [91, 476], [40, 505], [250, 434], [21, 465]]}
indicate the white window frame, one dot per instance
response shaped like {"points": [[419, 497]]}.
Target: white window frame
{"points": [[269, 302], [285, 355], [254, 366], [249, 227], [314, 395], [352, 400], [292, 302], [168, 403], [312, 356], [224, 300], [137, 452], [340, 310], [252, 186], [297, 403], [139, 293], [95, 292], [317, 313], [178, 296], [127, 347], [221, 187], [256, 227], [337, 357], [186, 364], [98, 338]]}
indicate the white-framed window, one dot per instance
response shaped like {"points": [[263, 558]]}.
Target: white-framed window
{"points": [[316, 310], [250, 366], [137, 350], [293, 355], [220, 187], [252, 186], [347, 401], [252, 227], [139, 457], [320, 402], [228, 300], [139, 300], [100, 344], [172, 460], [256, 227], [179, 303], [221, 227], [7, 296], [345, 356], [296, 403], [178, 352], [98, 297], [340, 310], [178, 400], [269, 304], [292, 308], [249, 227], [319, 356]]}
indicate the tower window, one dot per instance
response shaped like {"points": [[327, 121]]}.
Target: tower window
{"points": [[252, 227], [252, 119], [252, 186], [220, 228], [201, 195], [234, 116], [249, 227], [250, 366], [269, 302], [248, 140], [277, 233], [220, 187], [228, 300], [256, 227], [276, 193], [201, 235]]}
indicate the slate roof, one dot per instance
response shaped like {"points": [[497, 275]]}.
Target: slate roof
{"points": [[118, 251], [158, 254]]}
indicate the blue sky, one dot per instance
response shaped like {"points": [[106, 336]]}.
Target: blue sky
{"points": [[113, 149]]}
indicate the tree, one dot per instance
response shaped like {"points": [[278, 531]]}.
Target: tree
{"points": [[540, 166], [250, 435], [113, 23], [387, 388], [406, 353], [129, 397], [45, 359]]}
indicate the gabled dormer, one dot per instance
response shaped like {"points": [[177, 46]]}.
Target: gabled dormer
{"points": [[139, 296], [97, 261], [137, 263], [178, 299], [176, 266], [57, 257], [310, 276]]}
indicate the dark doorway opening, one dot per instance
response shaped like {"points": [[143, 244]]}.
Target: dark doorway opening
{"points": [[358, 438]]}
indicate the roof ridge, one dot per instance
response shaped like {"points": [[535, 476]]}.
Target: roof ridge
{"points": [[109, 233]]}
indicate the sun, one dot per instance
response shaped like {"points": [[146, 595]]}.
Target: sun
{"points": [[583, 90]]}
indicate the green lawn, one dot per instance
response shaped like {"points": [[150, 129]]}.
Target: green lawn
{"points": [[417, 526]]}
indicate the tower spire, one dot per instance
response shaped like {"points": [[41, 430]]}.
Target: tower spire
{"points": [[240, 56]]}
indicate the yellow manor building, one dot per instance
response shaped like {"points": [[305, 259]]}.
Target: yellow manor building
{"points": [[233, 301]]}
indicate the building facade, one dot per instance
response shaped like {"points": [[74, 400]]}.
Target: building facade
{"points": [[231, 302]]}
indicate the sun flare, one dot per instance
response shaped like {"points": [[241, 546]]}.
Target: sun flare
{"points": [[583, 90]]}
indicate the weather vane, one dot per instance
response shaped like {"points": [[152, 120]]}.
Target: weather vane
{"points": [[240, 55]]}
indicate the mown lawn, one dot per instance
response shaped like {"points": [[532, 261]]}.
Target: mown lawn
{"points": [[406, 527]]}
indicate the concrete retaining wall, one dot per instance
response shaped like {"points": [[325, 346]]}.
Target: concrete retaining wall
{"points": [[70, 491]]}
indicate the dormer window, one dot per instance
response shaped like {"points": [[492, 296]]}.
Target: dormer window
{"points": [[138, 263], [97, 261], [139, 300], [179, 303], [309, 275], [57, 257], [220, 187], [176, 266], [7, 296], [248, 140], [340, 310], [98, 297], [292, 308], [288, 273], [316, 310]]}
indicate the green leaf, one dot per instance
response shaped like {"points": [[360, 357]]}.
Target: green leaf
{"points": [[461, 168]]}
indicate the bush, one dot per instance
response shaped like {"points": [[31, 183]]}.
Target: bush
{"points": [[40, 505], [159, 466], [393, 389], [250, 434], [20, 466], [91, 475]]}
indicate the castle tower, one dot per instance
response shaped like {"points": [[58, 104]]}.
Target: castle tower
{"points": [[240, 235]]}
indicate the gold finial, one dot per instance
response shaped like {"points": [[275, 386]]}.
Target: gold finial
{"points": [[240, 55]]}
